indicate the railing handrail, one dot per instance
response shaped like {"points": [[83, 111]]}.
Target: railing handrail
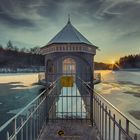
{"points": [[20, 112], [121, 113], [130, 120]]}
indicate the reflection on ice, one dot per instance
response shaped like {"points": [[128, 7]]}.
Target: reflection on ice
{"points": [[122, 89], [16, 91], [70, 103]]}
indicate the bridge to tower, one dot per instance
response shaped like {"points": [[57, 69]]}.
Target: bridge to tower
{"points": [[69, 55], [69, 107]]}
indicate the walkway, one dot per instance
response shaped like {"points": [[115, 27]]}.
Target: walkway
{"points": [[73, 130]]}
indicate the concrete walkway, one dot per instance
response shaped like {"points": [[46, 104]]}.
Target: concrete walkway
{"points": [[73, 130]]}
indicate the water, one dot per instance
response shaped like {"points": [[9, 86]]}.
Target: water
{"points": [[122, 89], [16, 91], [72, 106]]}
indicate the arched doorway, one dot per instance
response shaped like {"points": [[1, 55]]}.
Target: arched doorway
{"points": [[70, 104], [69, 66]]}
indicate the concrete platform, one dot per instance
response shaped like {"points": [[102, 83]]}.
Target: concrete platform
{"points": [[73, 130]]}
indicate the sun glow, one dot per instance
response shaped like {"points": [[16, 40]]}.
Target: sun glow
{"points": [[113, 62]]}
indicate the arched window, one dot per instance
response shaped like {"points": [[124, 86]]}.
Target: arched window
{"points": [[69, 66]]}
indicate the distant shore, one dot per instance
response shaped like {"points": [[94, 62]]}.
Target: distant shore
{"points": [[22, 70], [131, 69], [42, 69]]}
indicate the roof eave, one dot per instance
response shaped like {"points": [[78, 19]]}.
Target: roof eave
{"points": [[69, 43]]}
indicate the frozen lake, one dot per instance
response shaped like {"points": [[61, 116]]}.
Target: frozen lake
{"points": [[122, 89], [16, 91]]}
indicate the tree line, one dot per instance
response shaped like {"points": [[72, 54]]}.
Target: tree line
{"points": [[125, 62], [102, 66], [13, 57], [128, 62]]}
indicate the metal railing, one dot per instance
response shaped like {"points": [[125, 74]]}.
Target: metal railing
{"points": [[111, 124], [28, 123], [66, 103]]}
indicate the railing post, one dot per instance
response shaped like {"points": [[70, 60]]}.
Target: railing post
{"points": [[127, 128], [94, 109], [105, 122], [135, 137], [27, 127], [34, 123], [114, 119], [37, 119], [91, 106], [102, 121], [21, 129], [15, 129], [120, 129], [7, 136], [98, 107], [100, 116], [109, 126], [30, 112]]}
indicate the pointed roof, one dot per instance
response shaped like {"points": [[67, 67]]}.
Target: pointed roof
{"points": [[69, 34]]}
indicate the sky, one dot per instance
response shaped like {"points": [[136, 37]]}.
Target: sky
{"points": [[112, 25]]}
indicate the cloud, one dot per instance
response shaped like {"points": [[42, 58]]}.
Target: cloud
{"points": [[120, 17], [126, 9], [8, 20], [129, 37], [103, 22], [20, 13]]}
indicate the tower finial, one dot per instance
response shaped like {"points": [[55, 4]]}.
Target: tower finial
{"points": [[68, 18]]}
